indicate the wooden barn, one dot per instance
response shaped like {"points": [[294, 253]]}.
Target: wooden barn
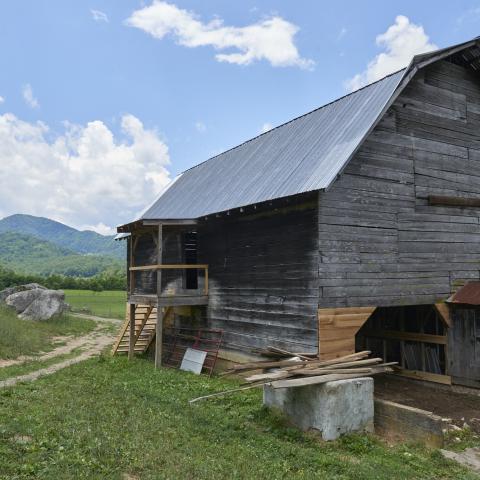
{"points": [[356, 225]]}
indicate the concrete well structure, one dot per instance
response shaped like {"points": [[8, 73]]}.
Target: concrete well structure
{"points": [[332, 408]]}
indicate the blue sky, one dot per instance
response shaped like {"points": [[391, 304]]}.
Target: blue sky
{"points": [[105, 101]]}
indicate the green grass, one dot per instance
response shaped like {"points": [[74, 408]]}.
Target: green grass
{"points": [[107, 417], [104, 304], [23, 337], [34, 365]]}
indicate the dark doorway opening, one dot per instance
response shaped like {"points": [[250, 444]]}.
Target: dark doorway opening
{"points": [[414, 336], [190, 257]]}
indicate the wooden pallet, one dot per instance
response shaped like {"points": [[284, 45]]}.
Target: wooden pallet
{"points": [[145, 325]]}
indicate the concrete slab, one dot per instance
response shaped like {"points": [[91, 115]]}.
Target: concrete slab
{"points": [[332, 408], [469, 458], [401, 423]]}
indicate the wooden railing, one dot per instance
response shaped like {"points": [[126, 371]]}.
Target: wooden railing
{"points": [[170, 267]]}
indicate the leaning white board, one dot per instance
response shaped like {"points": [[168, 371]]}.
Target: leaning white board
{"points": [[193, 360]]}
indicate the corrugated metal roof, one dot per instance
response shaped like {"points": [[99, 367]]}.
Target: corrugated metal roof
{"points": [[305, 154], [302, 155], [469, 294]]}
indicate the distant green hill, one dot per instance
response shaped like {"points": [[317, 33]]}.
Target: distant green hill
{"points": [[82, 242], [29, 254]]}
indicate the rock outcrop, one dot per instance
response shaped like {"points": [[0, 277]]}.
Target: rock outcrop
{"points": [[34, 302], [19, 288]]}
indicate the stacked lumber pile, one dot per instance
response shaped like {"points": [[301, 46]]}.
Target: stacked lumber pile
{"points": [[301, 370], [298, 370]]}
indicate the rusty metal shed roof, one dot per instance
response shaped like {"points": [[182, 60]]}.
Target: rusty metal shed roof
{"points": [[305, 154], [469, 294]]}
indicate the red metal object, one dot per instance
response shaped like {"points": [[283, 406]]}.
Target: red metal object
{"points": [[177, 340], [469, 294]]}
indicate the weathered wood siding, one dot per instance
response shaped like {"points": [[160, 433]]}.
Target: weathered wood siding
{"points": [[146, 254], [264, 276], [464, 346], [380, 242]]}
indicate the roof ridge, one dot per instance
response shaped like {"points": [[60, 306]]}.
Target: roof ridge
{"points": [[296, 118]]}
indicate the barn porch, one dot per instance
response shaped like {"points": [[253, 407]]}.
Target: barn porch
{"points": [[164, 278]]}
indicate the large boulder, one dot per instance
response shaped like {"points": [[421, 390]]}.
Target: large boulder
{"points": [[38, 303], [19, 288]]}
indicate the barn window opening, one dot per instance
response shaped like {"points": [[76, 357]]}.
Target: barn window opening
{"points": [[190, 257]]}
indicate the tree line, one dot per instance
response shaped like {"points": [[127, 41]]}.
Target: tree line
{"points": [[111, 280]]}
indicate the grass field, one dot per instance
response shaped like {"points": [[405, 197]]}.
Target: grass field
{"points": [[104, 304], [108, 418], [22, 337]]}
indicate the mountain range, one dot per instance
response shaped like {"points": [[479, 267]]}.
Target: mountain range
{"points": [[38, 245]]}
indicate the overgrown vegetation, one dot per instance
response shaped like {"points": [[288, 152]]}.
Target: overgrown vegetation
{"points": [[23, 337], [109, 418], [104, 304], [115, 280]]}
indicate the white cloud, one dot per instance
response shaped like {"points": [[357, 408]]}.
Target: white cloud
{"points": [[2, 99], [99, 16], [100, 228], [200, 127], [86, 176], [28, 96], [401, 42], [266, 127], [271, 39]]}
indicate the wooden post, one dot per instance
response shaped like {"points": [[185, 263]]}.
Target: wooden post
{"points": [[131, 343], [159, 329], [206, 280], [132, 264]]}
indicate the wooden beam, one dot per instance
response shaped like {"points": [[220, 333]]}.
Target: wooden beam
{"points": [[444, 311], [160, 312], [431, 377], [182, 300], [123, 329], [206, 281], [132, 274], [182, 221], [166, 266], [131, 343], [408, 336], [159, 336], [159, 259], [453, 201]]}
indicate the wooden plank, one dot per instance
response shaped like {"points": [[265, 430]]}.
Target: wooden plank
{"points": [[131, 345], [337, 328], [160, 312], [431, 377], [122, 331], [444, 311], [170, 267], [302, 382], [407, 336], [159, 338], [182, 300]]}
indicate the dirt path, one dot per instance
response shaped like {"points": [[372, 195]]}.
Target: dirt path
{"points": [[92, 344]]}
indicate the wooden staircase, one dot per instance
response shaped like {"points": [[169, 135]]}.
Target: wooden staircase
{"points": [[145, 324]]}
